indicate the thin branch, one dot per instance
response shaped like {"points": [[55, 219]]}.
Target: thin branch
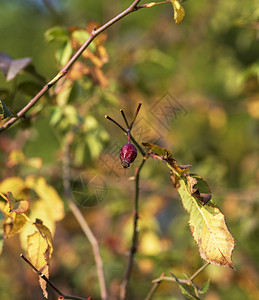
{"points": [[81, 220], [157, 281], [151, 4], [133, 7], [50, 282], [154, 288], [135, 116], [143, 153], [124, 284], [124, 117], [199, 271]]}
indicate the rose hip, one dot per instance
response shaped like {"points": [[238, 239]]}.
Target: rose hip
{"points": [[128, 154]]}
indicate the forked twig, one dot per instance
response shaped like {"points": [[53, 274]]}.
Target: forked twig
{"points": [[157, 282]]}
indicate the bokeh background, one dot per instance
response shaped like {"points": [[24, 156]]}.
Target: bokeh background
{"points": [[198, 82]]}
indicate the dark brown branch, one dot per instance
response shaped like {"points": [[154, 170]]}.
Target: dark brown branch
{"points": [[49, 282], [124, 284], [135, 116]]}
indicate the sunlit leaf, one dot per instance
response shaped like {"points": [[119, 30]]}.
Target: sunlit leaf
{"points": [[48, 196], [20, 207], [206, 221], [179, 12], [17, 157], [208, 227], [39, 252], [13, 222], [14, 184]]}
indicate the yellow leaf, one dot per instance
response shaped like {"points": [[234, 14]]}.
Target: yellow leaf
{"points": [[13, 222], [17, 157], [39, 252], [209, 229], [17, 206], [13, 184], [49, 197], [179, 12]]}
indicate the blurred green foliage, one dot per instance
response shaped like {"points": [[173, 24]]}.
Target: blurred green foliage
{"points": [[198, 82]]}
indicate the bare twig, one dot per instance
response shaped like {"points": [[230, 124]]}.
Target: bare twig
{"points": [[135, 116], [49, 282], [124, 117], [157, 281], [154, 288], [124, 284], [143, 153], [199, 271], [81, 220], [95, 32]]}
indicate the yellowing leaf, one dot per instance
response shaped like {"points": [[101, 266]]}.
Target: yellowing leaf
{"points": [[17, 206], [209, 229], [13, 222], [179, 12], [49, 197], [13, 184], [17, 157], [20, 207], [206, 221], [39, 252]]}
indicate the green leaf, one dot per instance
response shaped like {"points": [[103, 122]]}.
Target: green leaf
{"points": [[56, 33], [205, 287], [208, 227], [187, 294], [81, 37], [4, 111], [65, 53], [179, 12]]}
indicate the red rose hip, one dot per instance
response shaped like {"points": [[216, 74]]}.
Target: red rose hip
{"points": [[128, 154]]}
